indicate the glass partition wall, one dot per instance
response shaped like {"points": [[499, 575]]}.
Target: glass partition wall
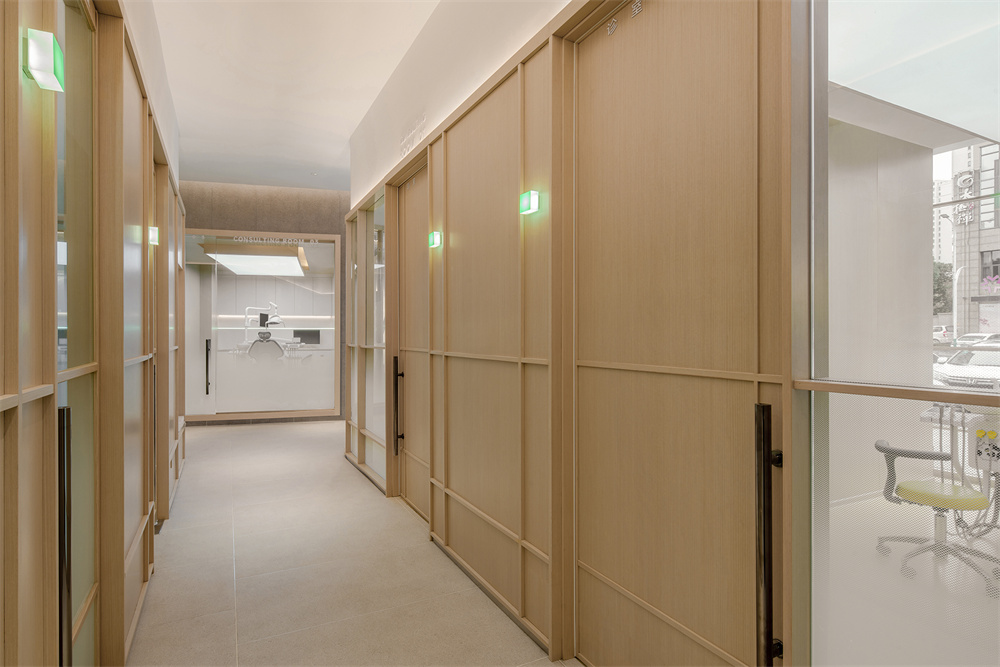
{"points": [[366, 421], [906, 333], [261, 326]]}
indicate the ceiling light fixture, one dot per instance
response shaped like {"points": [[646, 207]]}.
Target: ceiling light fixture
{"points": [[259, 260]]}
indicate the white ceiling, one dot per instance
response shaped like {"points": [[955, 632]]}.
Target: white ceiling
{"points": [[939, 58], [268, 92]]}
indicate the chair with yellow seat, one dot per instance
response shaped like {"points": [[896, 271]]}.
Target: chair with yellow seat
{"points": [[943, 496]]}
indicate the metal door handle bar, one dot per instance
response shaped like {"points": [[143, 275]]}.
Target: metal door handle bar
{"points": [[208, 351], [396, 435], [768, 647], [66, 610]]}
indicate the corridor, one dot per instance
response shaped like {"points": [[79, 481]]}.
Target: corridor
{"points": [[279, 552]]}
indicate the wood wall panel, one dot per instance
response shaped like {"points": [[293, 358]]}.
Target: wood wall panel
{"points": [[537, 458], [436, 175], [490, 553], [414, 258], [437, 511], [666, 489], [537, 593], [616, 631], [537, 227], [415, 420], [483, 239], [484, 437], [666, 194], [437, 417], [31, 539], [417, 489]]}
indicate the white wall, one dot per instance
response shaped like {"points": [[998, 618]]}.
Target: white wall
{"points": [[140, 21], [880, 310], [462, 44]]}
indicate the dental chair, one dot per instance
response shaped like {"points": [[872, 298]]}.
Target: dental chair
{"points": [[942, 496]]}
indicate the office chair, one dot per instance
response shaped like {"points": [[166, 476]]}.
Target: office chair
{"points": [[942, 496]]}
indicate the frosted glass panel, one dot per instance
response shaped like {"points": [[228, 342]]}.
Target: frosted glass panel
{"points": [[133, 451], [78, 395], [375, 456], [85, 646], [133, 133], [375, 392], [75, 193], [353, 352], [876, 599]]}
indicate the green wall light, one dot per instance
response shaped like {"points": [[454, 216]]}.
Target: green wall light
{"points": [[43, 60], [529, 202], [154, 236], [434, 239]]}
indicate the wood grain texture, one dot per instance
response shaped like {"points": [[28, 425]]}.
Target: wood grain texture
{"points": [[537, 593], [436, 208], [648, 177], [616, 631], [677, 461], [110, 247], [414, 258], [483, 239], [487, 551], [484, 439], [537, 458], [416, 406], [536, 141]]}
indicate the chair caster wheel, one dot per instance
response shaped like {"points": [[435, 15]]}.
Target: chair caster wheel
{"points": [[908, 572], [885, 551], [992, 591]]}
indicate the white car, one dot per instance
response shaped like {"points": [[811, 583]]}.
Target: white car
{"points": [[942, 334], [970, 369], [971, 339]]}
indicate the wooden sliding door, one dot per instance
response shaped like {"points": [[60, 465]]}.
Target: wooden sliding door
{"points": [[474, 343], [414, 344], [669, 315]]}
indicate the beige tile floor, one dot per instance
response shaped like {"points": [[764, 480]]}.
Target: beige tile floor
{"points": [[279, 552]]}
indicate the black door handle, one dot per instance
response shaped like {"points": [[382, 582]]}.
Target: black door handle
{"points": [[208, 351]]}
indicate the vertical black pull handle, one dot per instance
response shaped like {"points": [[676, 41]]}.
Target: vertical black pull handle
{"points": [[208, 351], [768, 648], [65, 600], [396, 435]]}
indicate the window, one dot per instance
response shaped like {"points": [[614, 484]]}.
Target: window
{"points": [[991, 263]]}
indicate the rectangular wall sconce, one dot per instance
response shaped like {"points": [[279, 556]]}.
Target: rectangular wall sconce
{"points": [[154, 236], [43, 60], [529, 202], [434, 239]]}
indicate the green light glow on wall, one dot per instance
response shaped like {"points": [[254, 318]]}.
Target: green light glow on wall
{"points": [[434, 239], [43, 60], [529, 202]]}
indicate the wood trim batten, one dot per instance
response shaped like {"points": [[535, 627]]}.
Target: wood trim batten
{"points": [[110, 233], [894, 391]]}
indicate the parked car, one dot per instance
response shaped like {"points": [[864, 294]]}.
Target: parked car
{"points": [[970, 369], [992, 340], [942, 334], [971, 339]]}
